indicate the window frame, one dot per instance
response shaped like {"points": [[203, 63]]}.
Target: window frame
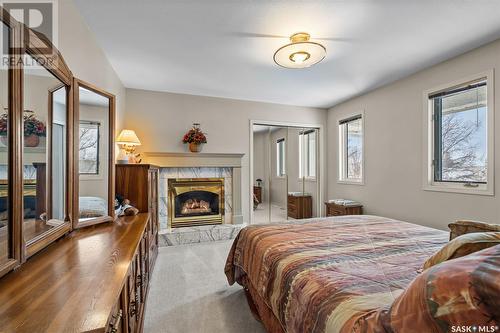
{"points": [[342, 149], [97, 173], [305, 160], [280, 160], [429, 167]]}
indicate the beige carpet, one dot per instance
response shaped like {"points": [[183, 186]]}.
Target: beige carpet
{"points": [[189, 293]]}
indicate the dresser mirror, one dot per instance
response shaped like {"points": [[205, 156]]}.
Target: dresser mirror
{"points": [[94, 134], [45, 123], [5, 229]]}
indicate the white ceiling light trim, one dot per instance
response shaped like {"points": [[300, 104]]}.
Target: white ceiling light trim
{"points": [[300, 53]]}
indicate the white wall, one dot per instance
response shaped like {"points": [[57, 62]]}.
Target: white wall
{"points": [[160, 119], [85, 58], [393, 148]]}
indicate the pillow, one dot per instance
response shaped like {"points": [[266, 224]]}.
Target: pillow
{"points": [[465, 227], [464, 245], [462, 292]]}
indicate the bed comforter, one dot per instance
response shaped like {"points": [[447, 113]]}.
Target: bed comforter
{"points": [[326, 274]]}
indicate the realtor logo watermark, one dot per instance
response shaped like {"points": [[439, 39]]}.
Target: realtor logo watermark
{"points": [[475, 329], [38, 15]]}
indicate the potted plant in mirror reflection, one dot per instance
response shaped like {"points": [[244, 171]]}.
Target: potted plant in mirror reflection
{"points": [[33, 129], [195, 138]]}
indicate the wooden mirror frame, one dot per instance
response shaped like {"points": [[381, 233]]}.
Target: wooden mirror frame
{"points": [[24, 40], [15, 250], [77, 84]]}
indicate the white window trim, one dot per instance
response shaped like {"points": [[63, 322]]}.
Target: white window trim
{"points": [[428, 136], [278, 175], [100, 174], [307, 178], [341, 151]]}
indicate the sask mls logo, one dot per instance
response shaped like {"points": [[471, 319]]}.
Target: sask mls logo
{"points": [[474, 329], [41, 16]]}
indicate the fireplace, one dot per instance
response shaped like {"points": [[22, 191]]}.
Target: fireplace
{"points": [[195, 201]]}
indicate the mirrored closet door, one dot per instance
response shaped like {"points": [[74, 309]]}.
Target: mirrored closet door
{"points": [[285, 173]]}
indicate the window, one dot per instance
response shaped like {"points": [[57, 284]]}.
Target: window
{"points": [[351, 149], [460, 139], [89, 148], [280, 158], [307, 154]]}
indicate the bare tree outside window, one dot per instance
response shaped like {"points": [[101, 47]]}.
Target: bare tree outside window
{"points": [[351, 149], [89, 148], [461, 135]]}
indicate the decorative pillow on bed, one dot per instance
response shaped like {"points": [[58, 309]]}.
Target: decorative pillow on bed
{"points": [[462, 292], [466, 227], [464, 245]]}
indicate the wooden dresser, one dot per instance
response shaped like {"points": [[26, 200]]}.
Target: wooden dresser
{"points": [[333, 209], [299, 206], [95, 279]]}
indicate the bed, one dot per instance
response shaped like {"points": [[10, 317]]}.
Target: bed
{"points": [[91, 207], [338, 274]]}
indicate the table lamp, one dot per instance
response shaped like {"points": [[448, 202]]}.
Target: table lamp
{"points": [[127, 140]]}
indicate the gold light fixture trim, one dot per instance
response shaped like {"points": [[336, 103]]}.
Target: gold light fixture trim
{"points": [[300, 53]]}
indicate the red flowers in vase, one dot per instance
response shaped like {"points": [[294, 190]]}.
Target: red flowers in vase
{"points": [[33, 128], [194, 137]]}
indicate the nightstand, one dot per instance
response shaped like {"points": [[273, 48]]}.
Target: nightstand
{"points": [[333, 209], [299, 206]]}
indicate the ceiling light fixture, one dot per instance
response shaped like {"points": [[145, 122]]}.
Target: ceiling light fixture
{"points": [[300, 53]]}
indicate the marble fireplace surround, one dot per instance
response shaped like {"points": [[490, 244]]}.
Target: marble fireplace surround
{"points": [[200, 165]]}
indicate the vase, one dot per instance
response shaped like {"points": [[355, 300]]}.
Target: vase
{"points": [[31, 140], [194, 147]]}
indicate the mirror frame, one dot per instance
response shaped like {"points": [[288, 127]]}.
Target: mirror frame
{"points": [[14, 71], [60, 71], [77, 84], [26, 41]]}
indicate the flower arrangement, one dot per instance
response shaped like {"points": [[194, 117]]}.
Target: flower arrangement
{"points": [[32, 126], [195, 137]]}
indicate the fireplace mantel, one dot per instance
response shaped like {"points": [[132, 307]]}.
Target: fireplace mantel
{"points": [[186, 160]]}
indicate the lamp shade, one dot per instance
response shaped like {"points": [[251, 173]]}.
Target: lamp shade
{"points": [[128, 137]]}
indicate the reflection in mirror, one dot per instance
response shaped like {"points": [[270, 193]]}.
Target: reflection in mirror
{"points": [[44, 152], [4, 158], [93, 155]]}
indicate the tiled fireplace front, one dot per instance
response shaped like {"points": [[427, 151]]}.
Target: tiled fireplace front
{"points": [[184, 174]]}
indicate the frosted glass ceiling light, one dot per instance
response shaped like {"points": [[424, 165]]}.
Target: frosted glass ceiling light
{"points": [[300, 53]]}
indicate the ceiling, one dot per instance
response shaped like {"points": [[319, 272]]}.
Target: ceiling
{"points": [[225, 48]]}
